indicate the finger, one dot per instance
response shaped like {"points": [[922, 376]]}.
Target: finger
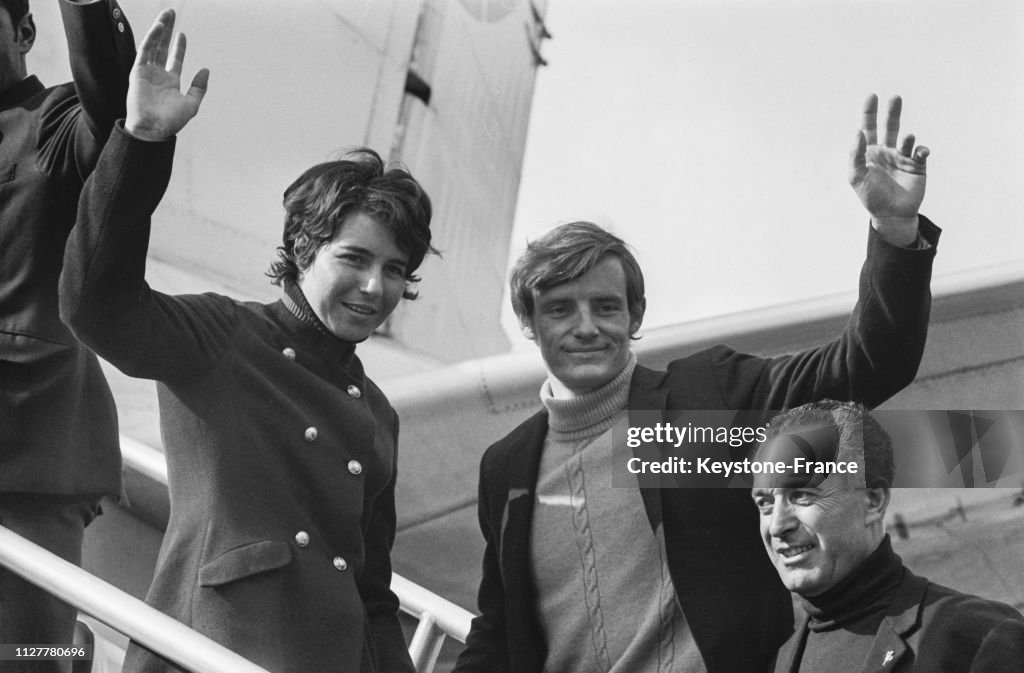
{"points": [[892, 121], [907, 144], [869, 123], [177, 55], [858, 158], [921, 154], [150, 43], [160, 57], [197, 90]]}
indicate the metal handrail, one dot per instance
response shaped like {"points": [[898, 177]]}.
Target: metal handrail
{"points": [[106, 603], [438, 617], [144, 459], [418, 601]]}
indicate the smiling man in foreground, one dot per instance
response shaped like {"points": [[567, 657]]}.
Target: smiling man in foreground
{"points": [[826, 537], [579, 576]]}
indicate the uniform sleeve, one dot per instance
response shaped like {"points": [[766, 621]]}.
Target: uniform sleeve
{"points": [[375, 586], [486, 648], [877, 354], [102, 50], [104, 297]]}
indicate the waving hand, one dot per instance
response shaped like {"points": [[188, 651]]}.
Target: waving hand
{"points": [[889, 178], [157, 109]]}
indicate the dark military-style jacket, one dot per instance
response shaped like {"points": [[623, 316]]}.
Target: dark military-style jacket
{"points": [[58, 425], [281, 453]]}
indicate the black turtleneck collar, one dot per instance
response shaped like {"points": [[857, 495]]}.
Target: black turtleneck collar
{"points": [[295, 301], [867, 590], [20, 91]]}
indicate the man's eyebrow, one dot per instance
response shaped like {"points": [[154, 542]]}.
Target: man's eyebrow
{"points": [[548, 299]]}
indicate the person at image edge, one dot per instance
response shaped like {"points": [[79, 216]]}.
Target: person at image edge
{"points": [[862, 609], [59, 448]]}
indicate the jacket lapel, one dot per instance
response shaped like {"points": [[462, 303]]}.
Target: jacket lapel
{"points": [[647, 404], [517, 517], [792, 650], [887, 650], [903, 615]]}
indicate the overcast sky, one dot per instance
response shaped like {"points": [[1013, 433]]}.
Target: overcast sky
{"points": [[714, 136]]}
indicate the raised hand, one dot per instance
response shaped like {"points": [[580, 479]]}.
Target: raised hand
{"points": [[157, 109], [889, 178]]}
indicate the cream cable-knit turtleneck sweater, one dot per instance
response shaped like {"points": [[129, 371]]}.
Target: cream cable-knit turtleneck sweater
{"points": [[604, 596]]}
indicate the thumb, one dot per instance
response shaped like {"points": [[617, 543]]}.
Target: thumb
{"points": [[197, 90], [921, 154]]}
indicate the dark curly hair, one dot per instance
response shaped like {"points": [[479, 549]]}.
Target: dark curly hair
{"points": [[321, 199]]}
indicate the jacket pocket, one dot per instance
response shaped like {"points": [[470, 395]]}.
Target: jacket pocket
{"points": [[252, 559]]}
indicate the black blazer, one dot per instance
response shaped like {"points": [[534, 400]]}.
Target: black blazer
{"points": [[735, 605], [58, 425], [929, 627]]}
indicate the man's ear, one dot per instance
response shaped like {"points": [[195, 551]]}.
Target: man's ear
{"points": [[26, 33], [526, 327], [636, 317], [878, 497]]}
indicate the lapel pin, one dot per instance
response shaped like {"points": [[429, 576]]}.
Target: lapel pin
{"points": [[888, 657]]}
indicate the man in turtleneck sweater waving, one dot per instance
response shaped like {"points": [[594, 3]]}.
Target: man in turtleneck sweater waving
{"points": [[826, 536], [580, 576]]}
